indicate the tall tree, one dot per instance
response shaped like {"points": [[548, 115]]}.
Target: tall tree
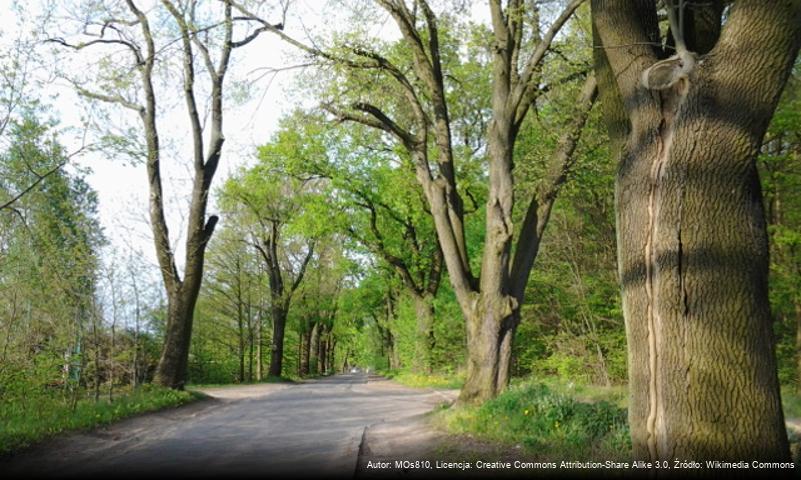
{"points": [[232, 293], [49, 243], [17, 103], [418, 117], [383, 209], [692, 242], [274, 205], [198, 32], [317, 306]]}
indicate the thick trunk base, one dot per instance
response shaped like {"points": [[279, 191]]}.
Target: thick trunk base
{"points": [[277, 351], [172, 367], [489, 354]]}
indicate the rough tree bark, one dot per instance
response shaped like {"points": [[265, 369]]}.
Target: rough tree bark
{"points": [[692, 241], [277, 346], [424, 336]]}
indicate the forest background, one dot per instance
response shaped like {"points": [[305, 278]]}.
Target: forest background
{"points": [[326, 254]]}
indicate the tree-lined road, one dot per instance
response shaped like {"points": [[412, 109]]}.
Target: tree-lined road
{"points": [[256, 431]]}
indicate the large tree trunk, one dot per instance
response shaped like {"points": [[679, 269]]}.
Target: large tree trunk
{"points": [[393, 357], [277, 351], [424, 336], [490, 330], [490, 300], [507, 335], [693, 260], [692, 241], [172, 367], [332, 354]]}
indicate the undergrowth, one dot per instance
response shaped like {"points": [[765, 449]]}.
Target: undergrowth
{"points": [[545, 423], [27, 420]]}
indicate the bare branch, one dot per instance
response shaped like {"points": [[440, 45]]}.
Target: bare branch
{"points": [[525, 85], [118, 99]]}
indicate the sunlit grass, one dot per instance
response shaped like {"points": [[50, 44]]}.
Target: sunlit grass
{"points": [[28, 420], [427, 380], [554, 418], [617, 395], [545, 423]]}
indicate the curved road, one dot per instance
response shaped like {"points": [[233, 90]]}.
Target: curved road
{"points": [[261, 431]]}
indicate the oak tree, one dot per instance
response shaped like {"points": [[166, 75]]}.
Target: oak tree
{"points": [[691, 230]]}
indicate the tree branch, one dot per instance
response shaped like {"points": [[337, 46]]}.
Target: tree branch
{"points": [[539, 209], [39, 179], [525, 85]]}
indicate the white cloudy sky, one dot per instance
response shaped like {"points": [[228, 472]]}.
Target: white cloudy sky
{"points": [[122, 188]]}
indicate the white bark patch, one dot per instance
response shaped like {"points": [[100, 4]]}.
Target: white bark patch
{"points": [[665, 74], [655, 423], [653, 320]]}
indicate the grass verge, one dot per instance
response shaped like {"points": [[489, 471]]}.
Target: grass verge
{"points": [[555, 419], [545, 424], [30, 420], [426, 380]]}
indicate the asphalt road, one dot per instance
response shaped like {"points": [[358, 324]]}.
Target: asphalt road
{"points": [[262, 431]]}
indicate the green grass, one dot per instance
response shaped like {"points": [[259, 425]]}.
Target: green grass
{"points": [[427, 380], [617, 395], [553, 418], [546, 423], [33, 419]]}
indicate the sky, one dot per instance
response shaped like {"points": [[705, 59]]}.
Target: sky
{"points": [[122, 187]]}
